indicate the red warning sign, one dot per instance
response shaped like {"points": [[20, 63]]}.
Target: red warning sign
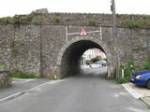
{"points": [[83, 32]]}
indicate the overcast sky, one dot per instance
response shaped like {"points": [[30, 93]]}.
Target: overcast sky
{"points": [[12, 7]]}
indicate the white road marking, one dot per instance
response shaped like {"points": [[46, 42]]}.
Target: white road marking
{"points": [[132, 92], [23, 92], [11, 96], [135, 109], [54, 82], [116, 95], [49, 82]]}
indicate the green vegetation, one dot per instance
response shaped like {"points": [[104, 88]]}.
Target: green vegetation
{"points": [[2, 66], [130, 68], [143, 22], [6, 20], [16, 20], [56, 19], [92, 22], [129, 21], [146, 66], [23, 75], [23, 19]]}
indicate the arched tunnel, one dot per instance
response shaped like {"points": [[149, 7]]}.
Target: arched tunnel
{"points": [[70, 63]]}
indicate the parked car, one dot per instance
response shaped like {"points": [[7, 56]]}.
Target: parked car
{"points": [[95, 65], [141, 78], [102, 63]]}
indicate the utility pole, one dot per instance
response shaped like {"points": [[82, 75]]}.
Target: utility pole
{"points": [[114, 36], [113, 9]]}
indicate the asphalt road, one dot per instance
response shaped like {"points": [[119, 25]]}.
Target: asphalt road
{"points": [[97, 71], [75, 94], [21, 85]]}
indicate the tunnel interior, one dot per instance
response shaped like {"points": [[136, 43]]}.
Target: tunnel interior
{"points": [[70, 63]]}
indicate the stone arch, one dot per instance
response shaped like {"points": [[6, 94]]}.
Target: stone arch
{"points": [[95, 41]]}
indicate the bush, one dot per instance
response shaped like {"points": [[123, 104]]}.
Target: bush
{"points": [[6, 20], [129, 68], [20, 74], [92, 22], [146, 66], [56, 20], [137, 23]]}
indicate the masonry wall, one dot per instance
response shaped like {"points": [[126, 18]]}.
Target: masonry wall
{"points": [[19, 48], [30, 47], [26, 47], [6, 36]]}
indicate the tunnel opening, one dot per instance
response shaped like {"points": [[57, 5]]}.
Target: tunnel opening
{"points": [[93, 62], [71, 62]]}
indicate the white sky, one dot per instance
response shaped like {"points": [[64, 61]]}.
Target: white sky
{"points": [[12, 7]]}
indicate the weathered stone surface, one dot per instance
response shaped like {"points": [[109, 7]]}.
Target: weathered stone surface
{"points": [[40, 48], [6, 36], [41, 16], [5, 79], [41, 11], [26, 49]]}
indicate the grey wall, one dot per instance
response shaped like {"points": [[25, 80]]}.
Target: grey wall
{"points": [[20, 45]]}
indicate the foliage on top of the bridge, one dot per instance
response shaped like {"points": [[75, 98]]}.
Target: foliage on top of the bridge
{"points": [[23, 19], [128, 21]]}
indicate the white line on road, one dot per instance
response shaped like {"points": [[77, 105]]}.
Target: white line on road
{"points": [[23, 92], [11, 96], [132, 92], [49, 82]]}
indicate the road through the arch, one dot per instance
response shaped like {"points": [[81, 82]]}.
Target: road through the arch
{"points": [[75, 94]]}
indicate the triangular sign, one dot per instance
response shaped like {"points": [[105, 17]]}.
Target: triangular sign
{"points": [[83, 32]]}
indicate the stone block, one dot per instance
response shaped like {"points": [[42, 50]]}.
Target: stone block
{"points": [[5, 79]]}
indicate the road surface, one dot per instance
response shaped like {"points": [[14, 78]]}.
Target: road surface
{"points": [[75, 94]]}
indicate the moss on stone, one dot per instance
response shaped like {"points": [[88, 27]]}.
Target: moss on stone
{"points": [[2, 66], [23, 19], [20, 74], [92, 22], [6, 20], [56, 19], [129, 21], [137, 22]]}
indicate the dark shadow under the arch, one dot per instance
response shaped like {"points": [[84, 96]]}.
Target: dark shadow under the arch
{"points": [[70, 63]]}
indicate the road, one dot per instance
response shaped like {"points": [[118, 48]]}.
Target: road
{"points": [[75, 94], [20, 85], [96, 71]]}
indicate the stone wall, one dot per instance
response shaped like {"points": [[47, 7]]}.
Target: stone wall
{"points": [[6, 36], [78, 19], [140, 45], [36, 47], [26, 47], [53, 39], [5, 79]]}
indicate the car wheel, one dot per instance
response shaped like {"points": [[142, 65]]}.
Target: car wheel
{"points": [[148, 84]]}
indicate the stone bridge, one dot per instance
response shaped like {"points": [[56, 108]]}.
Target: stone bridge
{"points": [[52, 44]]}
